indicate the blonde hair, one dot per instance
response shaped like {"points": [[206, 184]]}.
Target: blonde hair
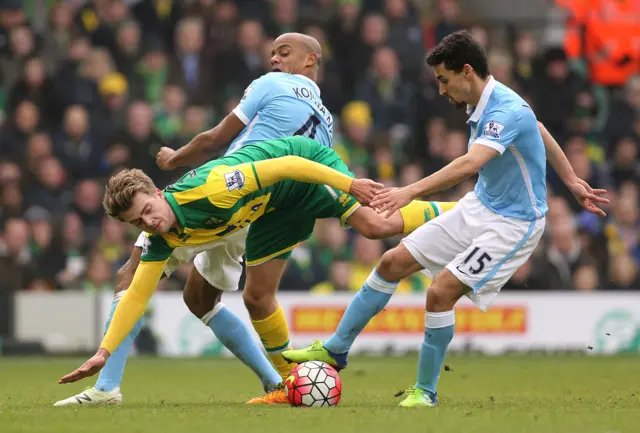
{"points": [[122, 187]]}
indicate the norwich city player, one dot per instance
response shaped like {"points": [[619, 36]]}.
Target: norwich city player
{"points": [[267, 187]]}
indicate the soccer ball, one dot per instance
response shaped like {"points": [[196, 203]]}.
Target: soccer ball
{"points": [[314, 384]]}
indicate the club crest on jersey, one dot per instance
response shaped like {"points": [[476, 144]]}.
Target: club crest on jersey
{"points": [[145, 245], [234, 180], [493, 129]]}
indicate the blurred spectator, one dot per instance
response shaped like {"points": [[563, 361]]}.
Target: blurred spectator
{"points": [[625, 165], [110, 114], [339, 275], [623, 229], [354, 144], [46, 260], [15, 255], [448, 22], [405, 37], [22, 44], [586, 278], [167, 118], [73, 250], [88, 205], [15, 132], [189, 67], [158, 18], [99, 276], [563, 256], [34, 84], [624, 274], [554, 92], [623, 112], [151, 72], [237, 66], [78, 148], [284, 17], [501, 67], [57, 37], [342, 33], [525, 51], [388, 95], [128, 48], [374, 33]]}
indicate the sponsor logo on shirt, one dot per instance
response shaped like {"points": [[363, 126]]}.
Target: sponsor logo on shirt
{"points": [[234, 180], [493, 129]]}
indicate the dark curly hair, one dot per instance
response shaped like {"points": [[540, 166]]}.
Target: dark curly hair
{"points": [[457, 50]]}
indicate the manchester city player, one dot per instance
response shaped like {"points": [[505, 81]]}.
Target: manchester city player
{"points": [[474, 249]]}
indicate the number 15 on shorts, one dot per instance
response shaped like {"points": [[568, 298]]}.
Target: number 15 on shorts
{"points": [[475, 262]]}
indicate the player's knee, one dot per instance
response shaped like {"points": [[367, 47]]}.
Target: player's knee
{"points": [[200, 302], [442, 295], [255, 298], [390, 267]]}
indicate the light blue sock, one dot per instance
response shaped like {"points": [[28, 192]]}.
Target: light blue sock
{"points": [[236, 336], [112, 372], [370, 300], [438, 334]]}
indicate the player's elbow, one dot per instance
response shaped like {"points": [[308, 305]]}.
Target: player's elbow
{"points": [[470, 165]]}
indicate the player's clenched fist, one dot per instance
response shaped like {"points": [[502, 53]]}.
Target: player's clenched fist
{"points": [[364, 190], [163, 158]]}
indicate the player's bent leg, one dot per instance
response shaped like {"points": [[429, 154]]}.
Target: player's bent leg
{"points": [[374, 295], [107, 387], [443, 294], [267, 316], [204, 301]]}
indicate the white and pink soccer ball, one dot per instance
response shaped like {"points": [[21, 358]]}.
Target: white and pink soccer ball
{"points": [[314, 384]]}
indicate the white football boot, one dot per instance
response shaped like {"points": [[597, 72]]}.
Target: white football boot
{"points": [[93, 397]]}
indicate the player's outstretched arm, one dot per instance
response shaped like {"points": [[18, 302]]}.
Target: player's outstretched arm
{"points": [[130, 309], [581, 190], [391, 199], [198, 149], [292, 167]]}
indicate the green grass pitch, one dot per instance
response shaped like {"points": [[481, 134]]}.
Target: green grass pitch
{"points": [[541, 394]]}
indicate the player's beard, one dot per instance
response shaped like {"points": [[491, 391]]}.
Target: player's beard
{"points": [[460, 105]]}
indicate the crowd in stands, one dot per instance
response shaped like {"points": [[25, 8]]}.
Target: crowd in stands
{"points": [[87, 88]]}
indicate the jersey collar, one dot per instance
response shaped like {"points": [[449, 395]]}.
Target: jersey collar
{"points": [[476, 112], [175, 207], [313, 83]]}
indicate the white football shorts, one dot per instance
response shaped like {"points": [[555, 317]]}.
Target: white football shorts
{"points": [[219, 262], [480, 247]]}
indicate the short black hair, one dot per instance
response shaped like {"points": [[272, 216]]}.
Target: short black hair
{"points": [[457, 50]]}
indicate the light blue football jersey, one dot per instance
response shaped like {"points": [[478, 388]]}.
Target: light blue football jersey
{"points": [[512, 184], [282, 105]]}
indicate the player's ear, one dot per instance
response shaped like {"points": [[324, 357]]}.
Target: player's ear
{"points": [[467, 69], [312, 60]]}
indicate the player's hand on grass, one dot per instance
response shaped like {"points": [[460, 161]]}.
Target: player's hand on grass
{"points": [[364, 190], [163, 158], [89, 368], [588, 197], [391, 199]]}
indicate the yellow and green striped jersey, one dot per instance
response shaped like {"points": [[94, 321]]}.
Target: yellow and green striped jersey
{"points": [[226, 195]]}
